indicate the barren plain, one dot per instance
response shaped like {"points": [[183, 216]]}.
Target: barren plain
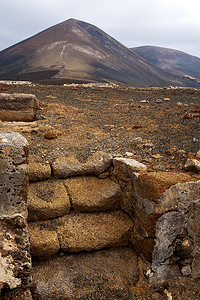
{"points": [[156, 126]]}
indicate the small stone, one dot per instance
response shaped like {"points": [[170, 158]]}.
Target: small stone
{"points": [[50, 135], [179, 103], [168, 294], [148, 145], [192, 165], [170, 151], [181, 152], [158, 100], [156, 156], [129, 154], [186, 270], [166, 99], [144, 101], [198, 154], [7, 236], [190, 155]]}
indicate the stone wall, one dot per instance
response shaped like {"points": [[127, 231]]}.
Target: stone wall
{"points": [[15, 259], [75, 206], [18, 107], [101, 203], [165, 210]]}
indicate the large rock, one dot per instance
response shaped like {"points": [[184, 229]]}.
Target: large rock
{"points": [[98, 163], [94, 231], [125, 172], [105, 274], [39, 171], [93, 194], [18, 107], [149, 205], [64, 167], [81, 232], [44, 242], [47, 199], [177, 248], [15, 260], [122, 166], [143, 199], [152, 185]]}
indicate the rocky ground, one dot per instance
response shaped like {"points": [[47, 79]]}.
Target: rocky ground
{"points": [[159, 127]]}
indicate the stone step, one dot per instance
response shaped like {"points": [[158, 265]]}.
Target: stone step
{"points": [[80, 232], [47, 199], [90, 193], [104, 274]]}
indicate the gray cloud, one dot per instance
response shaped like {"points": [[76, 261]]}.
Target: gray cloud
{"points": [[167, 23]]}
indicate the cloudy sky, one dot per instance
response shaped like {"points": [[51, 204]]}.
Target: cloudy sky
{"points": [[167, 23]]}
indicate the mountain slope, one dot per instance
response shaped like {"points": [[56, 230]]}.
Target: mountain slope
{"points": [[173, 61], [75, 50]]}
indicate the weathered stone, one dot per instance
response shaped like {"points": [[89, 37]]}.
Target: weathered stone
{"points": [[47, 200], [93, 194], [178, 196], [18, 107], [194, 232], [64, 167], [186, 270], [122, 166], [93, 231], [98, 163], [192, 165], [15, 260], [178, 233], [168, 227], [152, 185], [13, 173], [39, 171], [105, 274], [44, 242]]}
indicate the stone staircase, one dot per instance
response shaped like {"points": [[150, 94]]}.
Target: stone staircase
{"points": [[95, 227], [70, 219]]}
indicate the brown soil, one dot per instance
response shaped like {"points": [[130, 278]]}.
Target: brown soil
{"points": [[83, 120]]}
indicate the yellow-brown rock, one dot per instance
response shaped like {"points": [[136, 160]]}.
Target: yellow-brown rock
{"points": [[152, 185], [39, 171], [44, 243], [90, 193], [47, 200], [94, 231]]}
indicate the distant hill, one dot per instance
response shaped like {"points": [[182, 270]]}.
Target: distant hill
{"points": [[75, 51], [173, 61]]}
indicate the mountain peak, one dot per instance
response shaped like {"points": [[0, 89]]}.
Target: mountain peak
{"points": [[75, 50]]}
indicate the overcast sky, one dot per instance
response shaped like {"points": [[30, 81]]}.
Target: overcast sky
{"points": [[167, 23]]}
